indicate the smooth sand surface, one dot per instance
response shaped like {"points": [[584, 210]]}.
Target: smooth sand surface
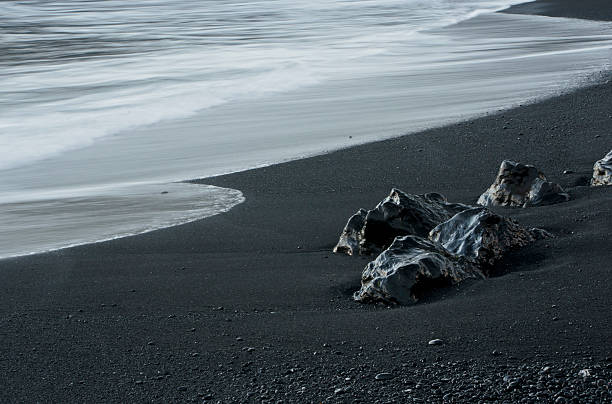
{"points": [[599, 10], [171, 316]]}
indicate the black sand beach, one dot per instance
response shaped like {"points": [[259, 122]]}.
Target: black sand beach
{"points": [[253, 306], [587, 9]]}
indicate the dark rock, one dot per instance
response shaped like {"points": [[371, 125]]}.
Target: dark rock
{"points": [[521, 185], [351, 235], [481, 236], [410, 265], [602, 171], [399, 214]]}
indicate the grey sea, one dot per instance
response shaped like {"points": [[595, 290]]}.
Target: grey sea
{"points": [[107, 107]]}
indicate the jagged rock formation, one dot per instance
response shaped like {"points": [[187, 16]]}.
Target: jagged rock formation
{"points": [[482, 236], [409, 265], [399, 214], [462, 241], [465, 246], [521, 185], [602, 171]]}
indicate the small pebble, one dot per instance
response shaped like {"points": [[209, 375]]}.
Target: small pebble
{"points": [[584, 373], [383, 376], [436, 342]]}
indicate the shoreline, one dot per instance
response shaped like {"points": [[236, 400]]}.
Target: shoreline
{"points": [[528, 65], [172, 315], [584, 80]]}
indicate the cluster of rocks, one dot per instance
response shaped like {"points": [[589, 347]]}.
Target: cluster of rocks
{"points": [[602, 171], [424, 241]]}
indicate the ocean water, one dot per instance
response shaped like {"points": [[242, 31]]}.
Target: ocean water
{"points": [[106, 106]]}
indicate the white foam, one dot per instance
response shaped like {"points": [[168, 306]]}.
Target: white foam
{"points": [[51, 221], [50, 108]]}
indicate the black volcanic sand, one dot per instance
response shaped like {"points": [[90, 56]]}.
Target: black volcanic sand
{"points": [[587, 9], [252, 306]]}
